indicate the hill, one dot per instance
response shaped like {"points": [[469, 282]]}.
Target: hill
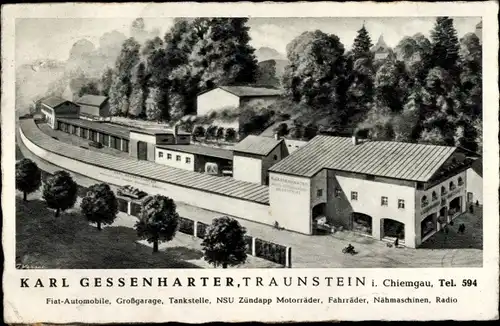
{"points": [[266, 53]]}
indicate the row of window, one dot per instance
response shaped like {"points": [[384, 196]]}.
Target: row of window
{"points": [[444, 191], [384, 201], [85, 133], [178, 158]]}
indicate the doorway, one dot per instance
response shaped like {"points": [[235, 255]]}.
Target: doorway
{"points": [[142, 150]]}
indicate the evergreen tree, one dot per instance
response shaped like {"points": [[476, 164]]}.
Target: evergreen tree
{"points": [[362, 45], [445, 46], [106, 82]]}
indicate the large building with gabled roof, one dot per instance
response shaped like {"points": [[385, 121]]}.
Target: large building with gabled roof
{"points": [[234, 97], [383, 189], [53, 108]]}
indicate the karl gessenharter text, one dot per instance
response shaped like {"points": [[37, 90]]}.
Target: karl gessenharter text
{"points": [[285, 281]]}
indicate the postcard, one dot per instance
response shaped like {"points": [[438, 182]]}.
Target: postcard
{"points": [[270, 162]]}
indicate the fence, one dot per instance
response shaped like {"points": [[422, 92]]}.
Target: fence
{"points": [[256, 247]]}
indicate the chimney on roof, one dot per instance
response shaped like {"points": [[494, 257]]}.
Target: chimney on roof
{"points": [[176, 131], [355, 140], [276, 136]]}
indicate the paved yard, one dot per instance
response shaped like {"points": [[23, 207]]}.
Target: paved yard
{"points": [[326, 251]]}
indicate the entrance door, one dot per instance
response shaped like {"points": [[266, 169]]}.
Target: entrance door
{"points": [[142, 150]]}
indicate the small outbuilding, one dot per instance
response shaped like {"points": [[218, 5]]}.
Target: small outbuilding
{"points": [[93, 107], [233, 97], [254, 155], [53, 108]]}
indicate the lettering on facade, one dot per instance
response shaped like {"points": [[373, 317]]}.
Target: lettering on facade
{"points": [[289, 186]]}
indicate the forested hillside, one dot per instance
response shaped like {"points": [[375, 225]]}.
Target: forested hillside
{"points": [[425, 90]]}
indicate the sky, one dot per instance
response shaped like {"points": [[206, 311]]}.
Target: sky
{"points": [[52, 38]]}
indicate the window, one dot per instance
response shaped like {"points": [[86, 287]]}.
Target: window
{"points": [[178, 158], [434, 196], [337, 192], [425, 201], [452, 185], [188, 160], [401, 203], [354, 195], [169, 156], [160, 154], [443, 191], [384, 201], [275, 157], [319, 192], [443, 201], [460, 181]]}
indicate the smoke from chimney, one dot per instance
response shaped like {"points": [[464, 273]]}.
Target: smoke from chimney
{"points": [[355, 140]]}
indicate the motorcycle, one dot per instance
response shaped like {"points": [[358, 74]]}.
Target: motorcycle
{"points": [[349, 250]]}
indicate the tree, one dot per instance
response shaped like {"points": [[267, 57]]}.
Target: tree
{"points": [[222, 55], [220, 133], [159, 220], [60, 192], [224, 243], [445, 45], [362, 44], [153, 112], [391, 85], [282, 129], [198, 131], [266, 73], [317, 73], [415, 51], [433, 136], [210, 132], [28, 177], [89, 88], [310, 131], [106, 81], [230, 134], [100, 205]]}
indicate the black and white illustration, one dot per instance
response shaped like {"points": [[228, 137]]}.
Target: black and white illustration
{"points": [[217, 142]]}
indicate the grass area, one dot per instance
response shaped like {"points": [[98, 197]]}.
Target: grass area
{"points": [[68, 241], [137, 123]]}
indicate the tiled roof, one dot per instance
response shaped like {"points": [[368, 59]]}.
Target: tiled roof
{"points": [[53, 101], [151, 131], [92, 100], [200, 150], [225, 186], [256, 145], [104, 127], [248, 91], [407, 161]]}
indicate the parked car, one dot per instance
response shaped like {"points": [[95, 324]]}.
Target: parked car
{"points": [[55, 137], [95, 144]]}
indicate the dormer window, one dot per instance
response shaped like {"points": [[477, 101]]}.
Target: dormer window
{"points": [[443, 191], [452, 186], [460, 181]]}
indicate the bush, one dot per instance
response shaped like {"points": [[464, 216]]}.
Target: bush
{"points": [[230, 135]]}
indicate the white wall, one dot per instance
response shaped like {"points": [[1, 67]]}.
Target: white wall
{"points": [[206, 200], [247, 169], [290, 200], [292, 145], [369, 202], [215, 100], [49, 116], [173, 161], [269, 161], [475, 186], [143, 137], [435, 206]]}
